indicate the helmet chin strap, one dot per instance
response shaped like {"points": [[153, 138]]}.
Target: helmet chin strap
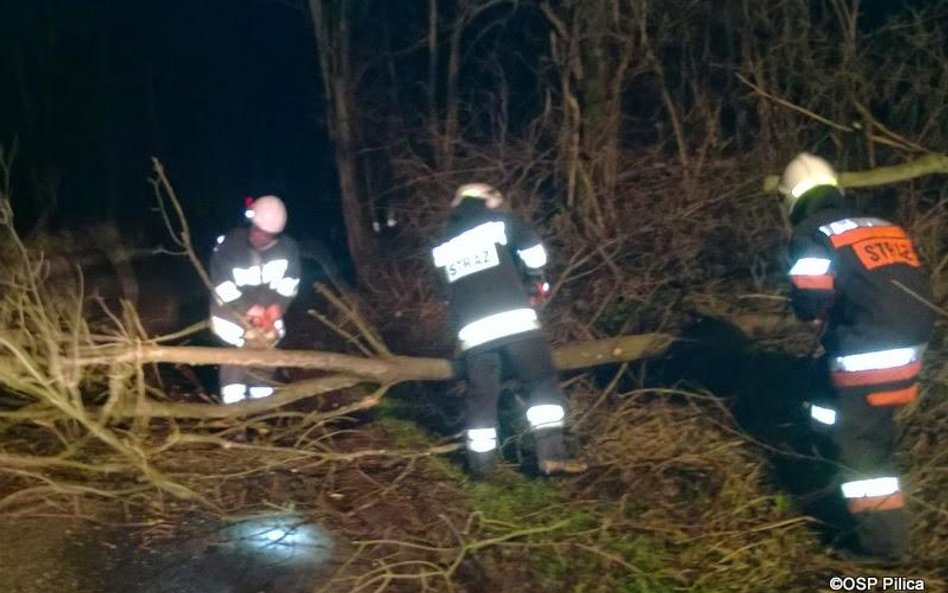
{"points": [[260, 245]]}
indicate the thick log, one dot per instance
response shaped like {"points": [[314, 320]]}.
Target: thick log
{"points": [[769, 324], [349, 370], [930, 164], [390, 369], [611, 350]]}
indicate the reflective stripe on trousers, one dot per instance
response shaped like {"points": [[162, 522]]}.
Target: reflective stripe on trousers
{"points": [[823, 415], [260, 391], [233, 393], [545, 416], [873, 494], [878, 367], [482, 440]]}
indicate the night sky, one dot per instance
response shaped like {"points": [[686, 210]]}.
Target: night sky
{"points": [[226, 93]]}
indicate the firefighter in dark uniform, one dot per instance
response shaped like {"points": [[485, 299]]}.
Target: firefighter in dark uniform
{"points": [[493, 266], [861, 278], [255, 272]]}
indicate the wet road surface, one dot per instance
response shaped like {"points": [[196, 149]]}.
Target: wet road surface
{"points": [[65, 555]]}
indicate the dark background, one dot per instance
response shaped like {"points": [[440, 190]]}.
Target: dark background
{"points": [[226, 94]]}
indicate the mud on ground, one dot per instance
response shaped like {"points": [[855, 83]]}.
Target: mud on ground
{"points": [[675, 500], [681, 495]]}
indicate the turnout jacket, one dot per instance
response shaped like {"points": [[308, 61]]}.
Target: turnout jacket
{"points": [[244, 277], [859, 274], [483, 256]]}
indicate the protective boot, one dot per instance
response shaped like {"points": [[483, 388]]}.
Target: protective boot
{"points": [[884, 536], [481, 465], [552, 456]]}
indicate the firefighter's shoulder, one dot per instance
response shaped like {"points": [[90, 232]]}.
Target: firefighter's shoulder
{"points": [[229, 239]]}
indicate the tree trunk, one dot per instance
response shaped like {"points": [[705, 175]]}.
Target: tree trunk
{"points": [[592, 45], [391, 369], [433, 82], [451, 117], [346, 371], [332, 31]]}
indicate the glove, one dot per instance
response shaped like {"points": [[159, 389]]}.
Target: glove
{"points": [[271, 314], [261, 334], [538, 292], [255, 316]]}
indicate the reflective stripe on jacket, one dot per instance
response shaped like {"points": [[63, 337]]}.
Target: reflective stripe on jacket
{"points": [[863, 276], [243, 276], [482, 258]]}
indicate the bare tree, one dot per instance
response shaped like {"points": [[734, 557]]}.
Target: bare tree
{"points": [[332, 26], [592, 46]]}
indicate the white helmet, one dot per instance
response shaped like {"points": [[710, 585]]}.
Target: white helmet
{"points": [[804, 172], [268, 214], [491, 195]]}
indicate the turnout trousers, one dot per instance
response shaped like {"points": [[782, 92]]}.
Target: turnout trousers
{"points": [[865, 438], [530, 360], [861, 425], [240, 383]]}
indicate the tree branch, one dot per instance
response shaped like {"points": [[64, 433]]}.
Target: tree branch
{"points": [[348, 370], [392, 369], [930, 164]]}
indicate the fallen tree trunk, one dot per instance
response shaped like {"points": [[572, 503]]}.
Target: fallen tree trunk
{"points": [[392, 369], [347, 370]]}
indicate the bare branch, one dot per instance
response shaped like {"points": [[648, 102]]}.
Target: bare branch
{"points": [[931, 164]]}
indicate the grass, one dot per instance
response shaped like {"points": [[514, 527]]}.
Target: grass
{"points": [[666, 509], [678, 498]]}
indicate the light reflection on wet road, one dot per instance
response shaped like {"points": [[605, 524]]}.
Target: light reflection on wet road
{"points": [[62, 555]]}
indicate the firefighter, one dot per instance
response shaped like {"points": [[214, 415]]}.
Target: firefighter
{"points": [[861, 279], [255, 272], [493, 266]]}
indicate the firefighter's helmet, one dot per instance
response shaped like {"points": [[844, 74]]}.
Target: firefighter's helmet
{"points": [[268, 213], [479, 191], [805, 172]]}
